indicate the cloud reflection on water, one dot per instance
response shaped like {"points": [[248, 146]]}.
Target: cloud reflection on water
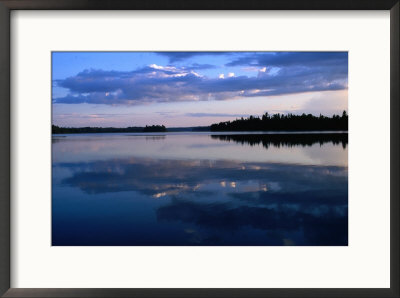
{"points": [[223, 201]]}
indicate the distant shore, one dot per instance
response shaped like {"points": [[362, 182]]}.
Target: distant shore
{"points": [[185, 130], [67, 130], [154, 128], [275, 122]]}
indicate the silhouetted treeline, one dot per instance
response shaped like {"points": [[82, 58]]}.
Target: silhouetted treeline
{"points": [[63, 130], [288, 140], [281, 122], [155, 128]]}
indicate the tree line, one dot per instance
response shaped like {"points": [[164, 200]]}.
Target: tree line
{"points": [[65, 130], [282, 122]]}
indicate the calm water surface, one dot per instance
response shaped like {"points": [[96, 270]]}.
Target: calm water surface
{"points": [[200, 189]]}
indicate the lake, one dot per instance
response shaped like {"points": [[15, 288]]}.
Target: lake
{"points": [[200, 188]]}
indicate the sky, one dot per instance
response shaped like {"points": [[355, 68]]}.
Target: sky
{"points": [[184, 89]]}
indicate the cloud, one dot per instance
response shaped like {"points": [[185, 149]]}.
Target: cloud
{"points": [[196, 66], [285, 59], [91, 116], [181, 56], [279, 74], [215, 115]]}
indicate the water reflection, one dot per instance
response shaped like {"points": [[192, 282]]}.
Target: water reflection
{"points": [[155, 137], [126, 197], [94, 147], [140, 200], [288, 140]]}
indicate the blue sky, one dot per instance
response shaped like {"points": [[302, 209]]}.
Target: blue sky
{"points": [[193, 88]]}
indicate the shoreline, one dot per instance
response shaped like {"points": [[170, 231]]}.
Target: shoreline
{"points": [[266, 132]]}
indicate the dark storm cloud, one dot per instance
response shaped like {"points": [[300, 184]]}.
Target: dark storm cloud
{"points": [[278, 74]]}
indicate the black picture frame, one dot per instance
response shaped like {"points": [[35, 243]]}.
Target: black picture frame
{"points": [[5, 157]]}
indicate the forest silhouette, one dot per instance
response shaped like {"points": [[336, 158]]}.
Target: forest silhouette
{"points": [[281, 122], [64, 130]]}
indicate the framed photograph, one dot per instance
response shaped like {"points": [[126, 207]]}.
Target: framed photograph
{"points": [[200, 149]]}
